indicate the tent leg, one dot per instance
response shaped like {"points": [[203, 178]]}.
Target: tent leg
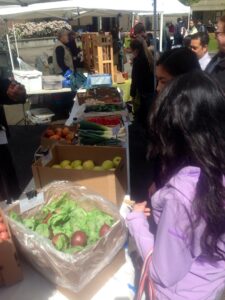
{"points": [[132, 20], [155, 36], [99, 23], [161, 33], [10, 52]]}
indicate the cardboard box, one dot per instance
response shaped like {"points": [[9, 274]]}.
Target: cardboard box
{"points": [[47, 142], [110, 184], [118, 76], [10, 269], [99, 281], [73, 272]]}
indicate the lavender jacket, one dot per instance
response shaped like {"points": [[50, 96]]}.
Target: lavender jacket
{"points": [[178, 269]]}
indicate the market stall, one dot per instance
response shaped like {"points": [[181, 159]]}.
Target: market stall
{"points": [[117, 276], [91, 150], [69, 155]]}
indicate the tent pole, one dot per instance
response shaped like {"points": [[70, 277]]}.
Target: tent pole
{"points": [[132, 21], [155, 36], [10, 52], [14, 33], [99, 23], [161, 33]]}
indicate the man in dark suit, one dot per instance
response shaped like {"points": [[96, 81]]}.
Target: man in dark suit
{"points": [[10, 93], [216, 67]]}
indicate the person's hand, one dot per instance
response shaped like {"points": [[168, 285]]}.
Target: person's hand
{"points": [[141, 207], [16, 92], [152, 189]]}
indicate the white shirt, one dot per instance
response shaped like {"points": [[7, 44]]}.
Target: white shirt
{"points": [[204, 61]]}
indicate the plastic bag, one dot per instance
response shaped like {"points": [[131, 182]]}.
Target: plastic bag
{"points": [[75, 271]]}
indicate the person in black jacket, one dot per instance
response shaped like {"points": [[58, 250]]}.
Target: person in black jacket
{"points": [[142, 86], [75, 51], [216, 67], [10, 93]]}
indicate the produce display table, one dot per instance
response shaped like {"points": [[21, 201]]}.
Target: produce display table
{"points": [[116, 281], [78, 111], [39, 93], [125, 88], [47, 92]]}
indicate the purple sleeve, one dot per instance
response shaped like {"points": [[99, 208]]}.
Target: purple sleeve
{"points": [[139, 229], [172, 258]]}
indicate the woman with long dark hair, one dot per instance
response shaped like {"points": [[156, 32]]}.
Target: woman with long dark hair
{"points": [[187, 126], [142, 86]]}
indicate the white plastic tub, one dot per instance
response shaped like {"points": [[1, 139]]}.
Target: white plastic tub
{"points": [[52, 82], [32, 80]]}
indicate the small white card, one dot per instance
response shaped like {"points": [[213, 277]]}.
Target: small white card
{"points": [[46, 158], [116, 130], [3, 137], [27, 204]]}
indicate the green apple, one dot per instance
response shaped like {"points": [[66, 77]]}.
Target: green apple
{"points": [[107, 164], [79, 168], [64, 163], [76, 163], [98, 168], [88, 165], [67, 167], [56, 167], [116, 161]]}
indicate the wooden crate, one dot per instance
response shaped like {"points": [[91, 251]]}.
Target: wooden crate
{"points": [[98, 53], [87, 42]]}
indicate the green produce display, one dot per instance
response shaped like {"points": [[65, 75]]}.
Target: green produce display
{"points": [[89, 165], [91, 133], [69, 227], [104, 108]]}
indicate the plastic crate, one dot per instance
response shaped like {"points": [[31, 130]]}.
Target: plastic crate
{"points": [[99, 80], [32, 80], [52, 82]]}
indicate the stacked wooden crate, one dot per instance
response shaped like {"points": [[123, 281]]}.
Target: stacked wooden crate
{"points": [[98, 53]]}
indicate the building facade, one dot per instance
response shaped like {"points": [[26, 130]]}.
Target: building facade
{"points": [[206, 10]]}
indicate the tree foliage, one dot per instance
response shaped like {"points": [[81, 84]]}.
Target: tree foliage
{"points": [[189, 2]]}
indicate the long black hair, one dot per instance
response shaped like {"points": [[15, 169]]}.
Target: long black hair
{"points": [[179, 61], [140, 45], [187, 128]]}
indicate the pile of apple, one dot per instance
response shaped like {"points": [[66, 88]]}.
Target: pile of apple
{"points": [[89, 165], [4, 235], [60, 134]]}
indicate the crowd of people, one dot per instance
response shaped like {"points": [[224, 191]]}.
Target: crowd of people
{"points": [[180, 34], [181, 238]]}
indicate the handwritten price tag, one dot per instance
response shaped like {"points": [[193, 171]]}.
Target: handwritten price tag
{"points": [[27, 204]]}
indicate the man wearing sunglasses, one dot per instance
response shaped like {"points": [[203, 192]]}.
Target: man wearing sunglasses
{"points": [[217, 65]]}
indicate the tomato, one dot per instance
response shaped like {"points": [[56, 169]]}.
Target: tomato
{"points": [[4, 235]]}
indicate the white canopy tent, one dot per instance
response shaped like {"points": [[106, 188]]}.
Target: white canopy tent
{"points": [[79, 8], [171, 7], [23, 2], [71, 7]]}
